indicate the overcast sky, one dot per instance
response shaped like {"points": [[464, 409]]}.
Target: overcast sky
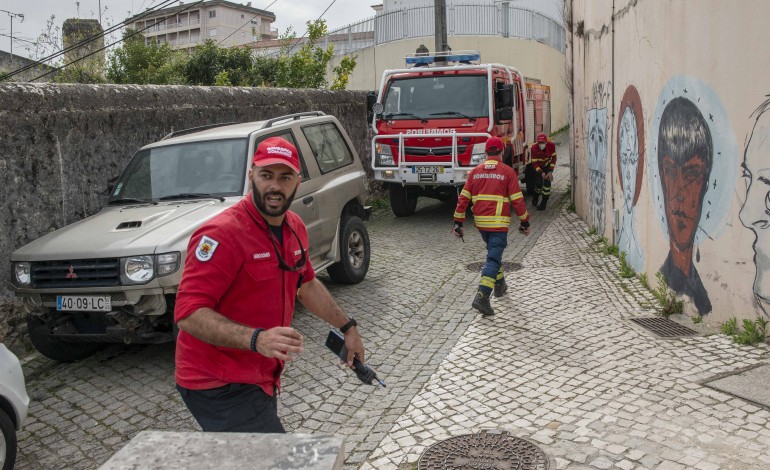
{"points": [[293, 13]]}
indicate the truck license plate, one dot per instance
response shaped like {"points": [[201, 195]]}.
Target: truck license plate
{"points": [[427, 169], [83, 303]]}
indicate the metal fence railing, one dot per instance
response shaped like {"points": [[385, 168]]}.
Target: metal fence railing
{"points": [[500, 19]]}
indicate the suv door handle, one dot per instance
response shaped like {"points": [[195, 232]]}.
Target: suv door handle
{"points": [[308, 200]]}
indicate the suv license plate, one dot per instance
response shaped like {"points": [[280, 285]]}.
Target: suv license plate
{"points": [[83, 303], [427, 169]]}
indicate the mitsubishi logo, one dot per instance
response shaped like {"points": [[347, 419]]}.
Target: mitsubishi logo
{"points": [[430, 151], [71, 274]]}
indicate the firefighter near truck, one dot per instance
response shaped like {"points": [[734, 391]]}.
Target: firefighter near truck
{"points": [[431, 121]]}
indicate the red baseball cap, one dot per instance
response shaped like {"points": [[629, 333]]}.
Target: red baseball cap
{"points": [[276, 150], [494, 144], [542, 137]]}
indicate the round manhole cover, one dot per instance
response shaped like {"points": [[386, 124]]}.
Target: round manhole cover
{"points": [[485, 450], [507, 266]]}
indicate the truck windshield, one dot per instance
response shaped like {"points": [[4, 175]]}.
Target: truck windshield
{"points": [[216, 167], [437, 97]]}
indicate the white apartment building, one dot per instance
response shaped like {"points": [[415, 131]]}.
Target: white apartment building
{"points": [[187, 25]]}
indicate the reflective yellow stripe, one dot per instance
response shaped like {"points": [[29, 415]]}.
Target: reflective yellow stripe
{"points": [[459, 215], [516, 196], [488, 197], [465, 193], [524, 217], [487, 282], [500, 274], [487, 219]]}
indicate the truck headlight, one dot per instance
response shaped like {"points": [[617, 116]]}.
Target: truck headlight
{"points": [[384, 155], [478, 154], [21, 273], [167, 263], [137, 270]]}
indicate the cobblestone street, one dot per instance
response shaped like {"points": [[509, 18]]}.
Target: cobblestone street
{"points": [[560, 364]]}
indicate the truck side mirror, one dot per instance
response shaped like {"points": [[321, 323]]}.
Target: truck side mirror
{"points": [[371, 99], [504, 103]]}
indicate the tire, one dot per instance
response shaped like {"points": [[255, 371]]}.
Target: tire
{"points": [[55, 348], [529, 180], [354, 253], [8, 441], [402, 202]]}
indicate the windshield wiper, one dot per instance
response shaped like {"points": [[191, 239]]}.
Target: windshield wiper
{"points": [[454, 113], [191, 196], [130, 200], [390, 115]]}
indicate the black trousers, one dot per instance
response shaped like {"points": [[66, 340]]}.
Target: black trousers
{"points": [[233, 408]]}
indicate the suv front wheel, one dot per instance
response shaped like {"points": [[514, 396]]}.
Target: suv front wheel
{"points": [[54, 348], [354, 252]]}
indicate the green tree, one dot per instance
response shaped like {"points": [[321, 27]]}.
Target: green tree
{"points": [[137, 62], [307, 67], [208, 61]]}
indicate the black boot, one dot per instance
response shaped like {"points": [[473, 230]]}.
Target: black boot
{"points": [[543, 203], [481, 303], [500, 287], [535, 199]]}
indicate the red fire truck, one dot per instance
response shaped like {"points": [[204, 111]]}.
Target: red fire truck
{"points": [[431, 121]]}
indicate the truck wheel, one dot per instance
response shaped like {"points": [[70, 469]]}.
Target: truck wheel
{"points": [[7, 441], [354, 253], [55, 348], [402, 202]]}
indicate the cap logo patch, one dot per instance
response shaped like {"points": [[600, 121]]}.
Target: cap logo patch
{"points": [[206, 248], [286, 153]]}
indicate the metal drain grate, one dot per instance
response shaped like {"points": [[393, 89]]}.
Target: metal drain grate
{"points": [[664, 327], [488, 449], [507, 266]]}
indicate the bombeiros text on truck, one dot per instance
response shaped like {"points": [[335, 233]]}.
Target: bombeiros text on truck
{"points": [[432, 119]]}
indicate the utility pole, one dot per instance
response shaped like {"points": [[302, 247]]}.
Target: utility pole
{"points": [[13, 15], [441, 38]]}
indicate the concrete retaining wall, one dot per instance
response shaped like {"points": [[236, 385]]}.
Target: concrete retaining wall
{"points": [[61, 144]]}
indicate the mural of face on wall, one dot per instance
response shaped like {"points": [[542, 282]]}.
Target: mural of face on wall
{"points": [[630, 154], [597, 167], [755, 213], [690, 179]]}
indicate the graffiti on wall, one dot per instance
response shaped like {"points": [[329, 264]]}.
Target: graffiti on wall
{"points": [[598, 126], [755, 212], [630, 152], [692, 174]]}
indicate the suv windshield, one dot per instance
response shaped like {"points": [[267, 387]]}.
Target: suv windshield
{"points": [[216, 167], [437, 97]]}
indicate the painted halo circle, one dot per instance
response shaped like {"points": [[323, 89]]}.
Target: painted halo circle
{"points": [[631, 100], [721, 183]]}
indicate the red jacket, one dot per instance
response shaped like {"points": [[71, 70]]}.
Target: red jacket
{"points": [[492, 187], [543, 160], [232, 268]]}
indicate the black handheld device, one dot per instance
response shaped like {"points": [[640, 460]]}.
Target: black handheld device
{"points": [[336, 344]]}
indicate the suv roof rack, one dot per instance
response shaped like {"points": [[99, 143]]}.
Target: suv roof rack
{"points": [[196, 129], [295, 116]]}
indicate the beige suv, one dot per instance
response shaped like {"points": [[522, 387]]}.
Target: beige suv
{"points": [[113, 277]]}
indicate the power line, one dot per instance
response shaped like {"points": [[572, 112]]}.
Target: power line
{"points": [[303, 34], [55, 69], [89, 40], [244, 24]]}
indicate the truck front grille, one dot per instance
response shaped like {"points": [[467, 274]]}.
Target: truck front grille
{"points": [[433, 151], [102, 272]]}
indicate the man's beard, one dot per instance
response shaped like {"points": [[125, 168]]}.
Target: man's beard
{"points": [[259, 201]]}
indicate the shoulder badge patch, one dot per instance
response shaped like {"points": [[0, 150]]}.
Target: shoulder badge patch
{"points": [[206, 248]]}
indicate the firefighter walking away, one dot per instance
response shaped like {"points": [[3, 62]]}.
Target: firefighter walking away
{"points": [[543, 153], [492, 187]]}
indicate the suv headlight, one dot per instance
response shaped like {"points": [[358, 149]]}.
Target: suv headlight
{"points": [[478, 154], [21, 273], [384, 157], [143, 269]]}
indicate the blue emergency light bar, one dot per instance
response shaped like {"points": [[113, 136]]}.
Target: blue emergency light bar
{"points": [[442, 58]]}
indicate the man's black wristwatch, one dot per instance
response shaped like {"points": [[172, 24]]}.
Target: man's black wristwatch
{"points": [[350, 324]]}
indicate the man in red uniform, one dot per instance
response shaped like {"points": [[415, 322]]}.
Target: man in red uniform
{"points": [[543, 162], [492, 187], [244, 270]]}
